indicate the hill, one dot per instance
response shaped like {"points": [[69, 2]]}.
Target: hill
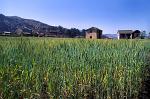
{"points": [[21, 26]]}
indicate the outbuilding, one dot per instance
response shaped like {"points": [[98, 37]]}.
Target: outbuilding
{"points": [[128, 34], [93, 33]]}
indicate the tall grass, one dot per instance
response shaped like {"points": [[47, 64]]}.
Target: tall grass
{"points": [[71, 68]]}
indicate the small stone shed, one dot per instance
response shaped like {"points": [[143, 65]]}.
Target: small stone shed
{"points": [[93, 33]]}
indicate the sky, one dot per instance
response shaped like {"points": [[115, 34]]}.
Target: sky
{"points": [[108, 15]]}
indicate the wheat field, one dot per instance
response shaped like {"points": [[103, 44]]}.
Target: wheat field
{"points": [[43, 68]]}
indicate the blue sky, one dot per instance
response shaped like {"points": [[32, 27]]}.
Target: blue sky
{"points": [[108, 15]]}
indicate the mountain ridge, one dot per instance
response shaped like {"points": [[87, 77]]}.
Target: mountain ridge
{"points": [[12, 23]]}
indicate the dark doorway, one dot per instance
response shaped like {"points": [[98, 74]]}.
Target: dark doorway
{"points": [[90, 37]]}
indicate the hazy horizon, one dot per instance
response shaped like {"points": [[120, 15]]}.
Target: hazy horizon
{"points": [[108, 15]]}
